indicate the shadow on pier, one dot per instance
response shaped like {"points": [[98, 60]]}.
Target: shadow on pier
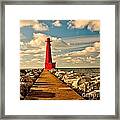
{"points": [[48, 87], [40, 94]]}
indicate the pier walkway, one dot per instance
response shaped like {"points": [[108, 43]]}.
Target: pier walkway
{"points": [[48, 87]]}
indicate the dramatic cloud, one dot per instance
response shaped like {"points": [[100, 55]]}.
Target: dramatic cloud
{"points": [[88, 54], [73, 55], [40, 27], [57, 23], [93, 25], [77, 54], [38, 40], [78, 23], [34, 24], [79, 57], [36, 48]]}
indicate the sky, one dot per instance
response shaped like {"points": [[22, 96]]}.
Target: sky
{"points": [[75, 43]]}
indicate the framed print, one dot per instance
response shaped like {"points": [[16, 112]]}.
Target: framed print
{"points": [[59, 59]]}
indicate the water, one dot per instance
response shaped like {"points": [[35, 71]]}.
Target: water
{"points": [[86, 82], [82, 70]]}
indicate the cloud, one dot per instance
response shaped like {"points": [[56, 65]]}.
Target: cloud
{"points": [[40, 27], [35, 49], [74, 60], [78, 53], [79, 23], [38, 40], [93, 25], [31, 64], [97, 45], [86, 51], [21, 43], [24, 23], [36, 55], [36, 35], [90, 49], [57, 23], [32, 51], [35, 60], [23, 54], [23, 46], [34, 24], [67, 58]]}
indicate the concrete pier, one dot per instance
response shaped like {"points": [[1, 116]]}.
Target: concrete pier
{"points": [[48, 87]]}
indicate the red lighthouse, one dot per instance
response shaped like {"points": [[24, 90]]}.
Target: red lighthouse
{"points": [[48, 61]]}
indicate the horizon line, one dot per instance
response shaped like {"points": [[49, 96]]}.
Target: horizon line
{"points": [[61, 68]]}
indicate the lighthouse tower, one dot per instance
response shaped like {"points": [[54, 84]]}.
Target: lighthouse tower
{"points": [[48, 60]]}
